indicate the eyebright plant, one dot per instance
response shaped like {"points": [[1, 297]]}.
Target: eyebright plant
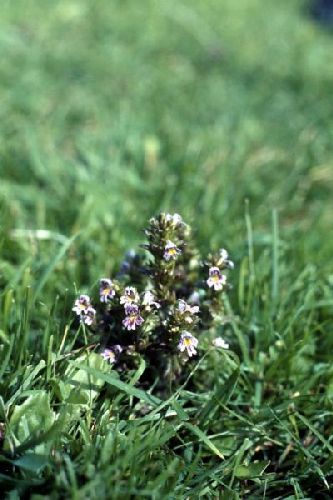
{"points": [[165, 300]]}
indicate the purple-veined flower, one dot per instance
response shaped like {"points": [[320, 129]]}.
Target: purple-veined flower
{"points": [[220, 342], [81, 305], [187, 310], [188, 342], [83, 308], [89, 316], [133, 317], [108, 355], [117, 349], [111, 353], [130, 296], [149, 301], [216, 279], [224, 260], [106, 290], [171, 251]]}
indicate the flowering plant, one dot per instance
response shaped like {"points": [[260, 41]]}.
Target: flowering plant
{"points": [[166, 297]]}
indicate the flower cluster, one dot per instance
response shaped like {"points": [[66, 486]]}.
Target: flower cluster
{"points": [[161, 302], [130, 299]]}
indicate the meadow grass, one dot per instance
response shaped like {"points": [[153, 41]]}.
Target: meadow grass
{"points": [[112, 111]]}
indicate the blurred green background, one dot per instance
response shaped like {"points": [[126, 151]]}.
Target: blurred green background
{"points": [[114, 110]]}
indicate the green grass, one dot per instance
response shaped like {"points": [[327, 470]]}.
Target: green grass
{"points": [[110, 112]]}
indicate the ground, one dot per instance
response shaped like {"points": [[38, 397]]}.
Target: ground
{"points": [[112, 111]]}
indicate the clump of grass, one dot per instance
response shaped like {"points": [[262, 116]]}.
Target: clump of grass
{"points": [[243, 421], [236, 422]]}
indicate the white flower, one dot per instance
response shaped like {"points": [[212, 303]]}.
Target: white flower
{"points": [[224, 260], [224, 254], [220, 342], [108, 355], [106, 290], [130, 296], [149, 302], [171, 251], [175, 219], [133, 317], [89, 316], [187, 310], [111, 354], [188, 342], [81, 305], [216, 279], [83, 308]]}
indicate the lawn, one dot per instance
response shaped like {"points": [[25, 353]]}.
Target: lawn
{"points": [[111, 112]]}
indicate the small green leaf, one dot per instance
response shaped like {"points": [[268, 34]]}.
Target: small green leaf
{"points": [[252, 470], [77, 397], [86, 385], [32, 462], [32, 417]]}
